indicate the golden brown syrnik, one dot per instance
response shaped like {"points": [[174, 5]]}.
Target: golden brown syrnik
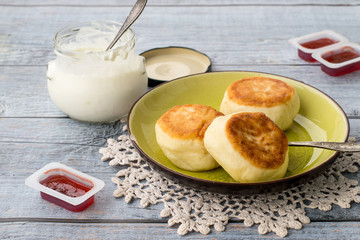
{"points": [[277, 99], [180, 132], [249, 146]]}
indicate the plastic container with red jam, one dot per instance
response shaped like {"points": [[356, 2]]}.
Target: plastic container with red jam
{"points": [[65, 186], [311, 43], [339, 60]]}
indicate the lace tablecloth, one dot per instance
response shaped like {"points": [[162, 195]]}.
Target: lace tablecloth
{"points": [[196, 210]]}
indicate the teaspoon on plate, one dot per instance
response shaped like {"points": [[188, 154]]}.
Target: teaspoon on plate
{"points": [[337, 146]]}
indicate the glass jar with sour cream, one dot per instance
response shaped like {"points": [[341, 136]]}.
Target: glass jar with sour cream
{"points": [[89, 83]]}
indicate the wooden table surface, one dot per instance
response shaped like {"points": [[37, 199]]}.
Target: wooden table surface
{"points": [[235, 34]]}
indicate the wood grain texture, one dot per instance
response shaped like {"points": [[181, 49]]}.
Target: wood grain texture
{"points": [[25, 94], [45, 230], [111, 3], [236, 35], [52, 130], [22, 159], [106, 207]]}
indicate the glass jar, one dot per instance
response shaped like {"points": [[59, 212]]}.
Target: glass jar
{"points": [[89, 83]]}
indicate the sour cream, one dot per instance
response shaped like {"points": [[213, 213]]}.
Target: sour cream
{"points": [[90, 84]]}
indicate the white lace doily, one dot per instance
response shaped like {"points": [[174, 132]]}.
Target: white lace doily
{"points": [[196, 210]]}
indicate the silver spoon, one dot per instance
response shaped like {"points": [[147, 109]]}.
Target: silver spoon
{"points": [[337, 146], [133, 15]]}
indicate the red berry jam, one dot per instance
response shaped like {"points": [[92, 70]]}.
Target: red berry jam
{"points": [[65, 185], [315, 44], [342, 55], [74, 208], [68, 184], [318, 43]]}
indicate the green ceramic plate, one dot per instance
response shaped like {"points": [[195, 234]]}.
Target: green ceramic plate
{"points": [[320, 119]]}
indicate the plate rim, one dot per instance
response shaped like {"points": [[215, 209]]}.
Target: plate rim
{"points": [[238, 184], [153, 82]]}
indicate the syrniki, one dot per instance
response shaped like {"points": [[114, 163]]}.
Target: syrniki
{"points": [[249, 146], [180, 132], [277, 99]]}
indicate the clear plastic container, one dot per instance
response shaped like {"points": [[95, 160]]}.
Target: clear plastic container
{"points": [[340, 59], [311, 43], [65, 186], [89, 83]]}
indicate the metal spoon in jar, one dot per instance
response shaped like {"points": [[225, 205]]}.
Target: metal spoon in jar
{"points": [[133, 15], [337, 146]]}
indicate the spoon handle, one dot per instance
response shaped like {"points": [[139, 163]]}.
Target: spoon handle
{"points": [[337, 146], [133, 15]]}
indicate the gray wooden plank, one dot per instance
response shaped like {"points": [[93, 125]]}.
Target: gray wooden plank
{"points": [[26, 158], [20, 160], [253, 38], [24, 94], [26, 3], [106, 207], [26, 204], [28, 143], [58, 130], [45, 230]]}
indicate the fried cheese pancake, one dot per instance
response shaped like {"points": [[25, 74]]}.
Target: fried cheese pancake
{"points": [[249, 146], [277, 99], [180, 133]]}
